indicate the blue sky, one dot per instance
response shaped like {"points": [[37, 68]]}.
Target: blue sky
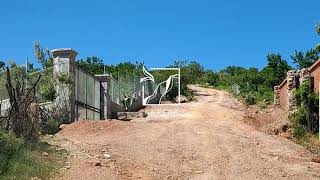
{"points": [[217, 33]]}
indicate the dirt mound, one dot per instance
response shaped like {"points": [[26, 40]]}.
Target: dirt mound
{"points": [[81, 128], [270, 120]]}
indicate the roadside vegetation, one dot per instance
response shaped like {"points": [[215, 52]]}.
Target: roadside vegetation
{"points": [[23, 154], [305, 120], [23, 159]]}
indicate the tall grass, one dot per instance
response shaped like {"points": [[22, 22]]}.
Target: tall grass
{"points": [[20, 159]]}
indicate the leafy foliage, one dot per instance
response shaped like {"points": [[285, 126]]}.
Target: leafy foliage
{"points": [[254, 85], [306, 99], [305, 60], [9, 146], [2, 65], [21, 159], [275, 71], [43, 56], [95, 65], [92, 64], [211, 78]]}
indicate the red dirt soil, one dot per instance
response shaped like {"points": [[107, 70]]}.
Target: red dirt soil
{"points": [[206, 139]]}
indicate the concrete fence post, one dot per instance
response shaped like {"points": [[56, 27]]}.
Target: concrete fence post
{"points": [[64, 72], [105, 99]]}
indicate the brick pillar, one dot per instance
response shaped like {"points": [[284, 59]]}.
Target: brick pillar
{"points": [[292, 85], [105, 99], [304, 75], [276, 96], [63, 66]]}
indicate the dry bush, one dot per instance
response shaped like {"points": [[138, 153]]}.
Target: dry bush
{"points": [[22, 117]]}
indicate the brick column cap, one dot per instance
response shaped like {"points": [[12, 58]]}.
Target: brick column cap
{"points": [[103, 77], [64, 52]]}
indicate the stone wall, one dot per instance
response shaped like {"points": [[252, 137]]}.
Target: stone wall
{"points": [[277, 96], [291, 86], [284, 93]]}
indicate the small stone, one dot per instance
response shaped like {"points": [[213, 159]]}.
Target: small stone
{"points": [[35, 178], [45, 154], [62, 126], [98, 164], [108, 156], [199, 172], [316, 160]]}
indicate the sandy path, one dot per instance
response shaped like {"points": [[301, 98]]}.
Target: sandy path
{"points": [[199, 140]]}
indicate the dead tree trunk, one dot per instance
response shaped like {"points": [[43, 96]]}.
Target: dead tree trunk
{"points": [[20, 118]]}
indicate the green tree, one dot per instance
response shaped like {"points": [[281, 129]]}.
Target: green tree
{"points": [[2, 65], [194, 72], [31, 68], [93, 65], [211, 78], [234, 70], [305, 60], [318, 31], [254, 78], [275, 71], [190, 73], [43, 55]]}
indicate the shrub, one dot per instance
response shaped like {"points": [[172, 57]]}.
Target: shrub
{"points": [[299, 131], [22, 159], [249, 98], [190, 95], [10, 145], [48, 92], [210, 78], [306, 116], [51, 126], [299, 117], [298, 120]]}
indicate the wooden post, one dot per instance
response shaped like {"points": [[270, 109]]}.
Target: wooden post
{"points": [[35, 118]]}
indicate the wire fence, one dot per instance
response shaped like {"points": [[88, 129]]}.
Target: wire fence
{"points": [[124, 86]]}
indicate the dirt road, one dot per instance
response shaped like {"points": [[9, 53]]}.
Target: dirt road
{"points": [[199, 140]]}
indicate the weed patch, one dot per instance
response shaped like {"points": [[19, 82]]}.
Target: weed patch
{"points": [[20, 159]]}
